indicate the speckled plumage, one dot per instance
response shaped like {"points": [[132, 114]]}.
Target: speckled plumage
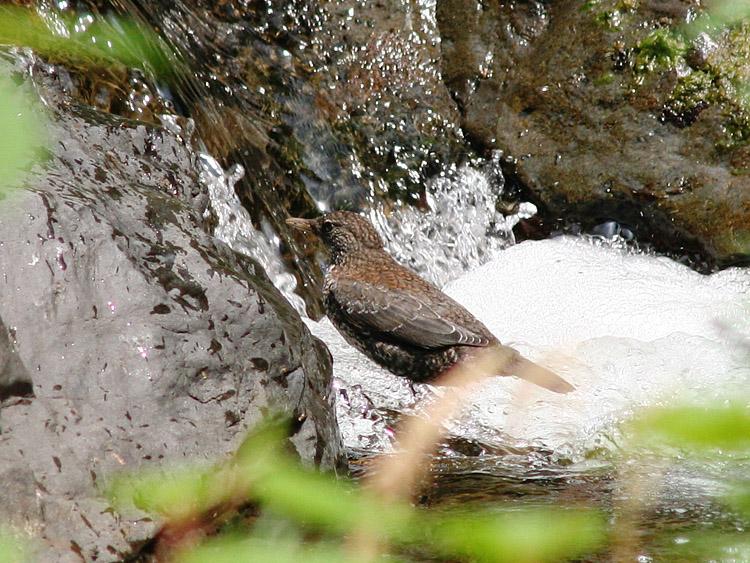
{"points": [[393, 316]]}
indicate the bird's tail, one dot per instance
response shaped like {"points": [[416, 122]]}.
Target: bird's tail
{"points": [[528, 370]]}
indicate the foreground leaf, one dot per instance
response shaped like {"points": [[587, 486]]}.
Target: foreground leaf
{"points": [[22, 124], [543, 534], [717, 427]]}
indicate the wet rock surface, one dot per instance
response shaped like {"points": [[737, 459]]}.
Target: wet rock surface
{"points": [[131, 337], [612, 111]]}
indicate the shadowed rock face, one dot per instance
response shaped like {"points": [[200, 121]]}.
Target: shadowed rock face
{"points": [[606, 112], [15, 381], [144, 340]]}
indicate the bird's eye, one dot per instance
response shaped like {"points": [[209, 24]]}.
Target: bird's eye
{"points": [[327, 227]]}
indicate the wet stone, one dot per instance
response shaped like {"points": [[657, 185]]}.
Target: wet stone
{"points": [[129, 336], [608, 111]]}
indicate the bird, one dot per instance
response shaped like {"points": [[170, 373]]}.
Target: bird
{"points": [[398, 319]]}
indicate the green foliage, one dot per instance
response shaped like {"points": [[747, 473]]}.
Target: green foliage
{"points": [[22, 125], [243, 549], [702, 429], [263, 474], [12, 550], [87, 40], [519, 535], [175, 495]]}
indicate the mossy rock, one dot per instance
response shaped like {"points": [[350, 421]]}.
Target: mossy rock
{"points": [[614, 111]]}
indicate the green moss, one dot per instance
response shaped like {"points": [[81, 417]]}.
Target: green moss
{"points": [[720, 79], [662, 48], [612, 16], [610, 19], [590, 5], [732, 59], [736, 126], [729, 68], [691, 95], [694, 88]]}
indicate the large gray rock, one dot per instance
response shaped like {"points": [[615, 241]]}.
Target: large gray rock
{"points": [[145, 341], [610, 111]]}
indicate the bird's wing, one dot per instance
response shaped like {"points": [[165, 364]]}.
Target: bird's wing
{"points": [[416, 319]]}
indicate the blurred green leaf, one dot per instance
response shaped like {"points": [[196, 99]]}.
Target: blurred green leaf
{"points": [[242, 549], [263, 473], [175, 494], [724, 427], [311, 497], [718, 15], [87, 40], [22, 125], [708, 546], [12, 550], [739, 498], [543, 534]]}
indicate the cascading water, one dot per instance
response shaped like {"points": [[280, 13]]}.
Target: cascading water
{"points": [[462, 229], [235, 228]]}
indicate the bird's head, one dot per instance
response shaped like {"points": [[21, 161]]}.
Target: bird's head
{"points": [[342, 232]]}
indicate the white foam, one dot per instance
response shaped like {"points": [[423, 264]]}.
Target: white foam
{"points": [[627, 330], [462, 230]]}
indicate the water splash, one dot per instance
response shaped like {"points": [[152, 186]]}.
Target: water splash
{"points": [[462, 229], [235, 228]]}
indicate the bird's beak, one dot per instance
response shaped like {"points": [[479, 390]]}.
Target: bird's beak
{"points": [[305, 226], [302, 225]]}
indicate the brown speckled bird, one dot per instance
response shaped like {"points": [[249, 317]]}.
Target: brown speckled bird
{"points": [[396, 318]]}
